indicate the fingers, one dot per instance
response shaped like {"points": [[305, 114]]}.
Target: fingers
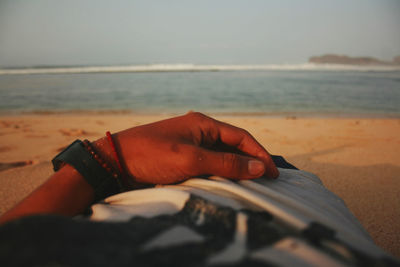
{"points": [[246, 143], [235, 137], [229, 165]]}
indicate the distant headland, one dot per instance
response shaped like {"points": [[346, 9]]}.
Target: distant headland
{"points": [[359, 61]]}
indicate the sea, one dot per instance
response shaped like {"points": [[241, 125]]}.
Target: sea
{"points": [[265, 90]]}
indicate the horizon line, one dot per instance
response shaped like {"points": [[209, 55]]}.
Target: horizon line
{"points": [[187, 67]]}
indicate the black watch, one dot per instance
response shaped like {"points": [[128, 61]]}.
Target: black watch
{"points": [[79, 157]]}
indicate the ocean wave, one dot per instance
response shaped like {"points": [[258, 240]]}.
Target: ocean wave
{"points": [[195, 68]]}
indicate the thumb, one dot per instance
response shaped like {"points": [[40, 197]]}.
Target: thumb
{"points": [[231, 165]]}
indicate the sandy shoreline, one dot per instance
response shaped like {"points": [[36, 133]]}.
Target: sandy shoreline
{"points": [[244, 114], [357, 158]]}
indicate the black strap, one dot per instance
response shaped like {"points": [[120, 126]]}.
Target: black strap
{"points": [[78, 157]]}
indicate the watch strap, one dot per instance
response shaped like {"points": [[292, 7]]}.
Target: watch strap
{"points": [[95, 175]]}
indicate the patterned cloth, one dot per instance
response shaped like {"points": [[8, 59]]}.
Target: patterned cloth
{"points": [[291, 221]]}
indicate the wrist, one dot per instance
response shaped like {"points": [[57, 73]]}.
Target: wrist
{"points": [[109, 150], [82, 157], [103, 148]]}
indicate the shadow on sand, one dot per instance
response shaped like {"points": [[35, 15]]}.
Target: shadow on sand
{"points": [[371, 192]]}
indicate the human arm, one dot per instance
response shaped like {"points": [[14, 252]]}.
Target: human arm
{"points": [[163, 152]]}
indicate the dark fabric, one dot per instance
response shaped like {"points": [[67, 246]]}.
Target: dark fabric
{"points": [[280, 162], [61, 241]]}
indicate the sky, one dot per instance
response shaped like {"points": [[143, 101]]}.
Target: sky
{"points": [[104, 32]]}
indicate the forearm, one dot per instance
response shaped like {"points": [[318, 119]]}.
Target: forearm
{"points": [[65, 193]]}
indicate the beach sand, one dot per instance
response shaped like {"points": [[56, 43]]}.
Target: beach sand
{"points": [[356, 158]]}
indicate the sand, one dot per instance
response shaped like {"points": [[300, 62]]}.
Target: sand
{"points": [[356, 158]]}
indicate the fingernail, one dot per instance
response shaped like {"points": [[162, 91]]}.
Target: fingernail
{"points": [[255, 167], [275, 173]]}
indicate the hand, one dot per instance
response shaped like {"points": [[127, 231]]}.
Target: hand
{"points": [[163, 152], [176, 149]]}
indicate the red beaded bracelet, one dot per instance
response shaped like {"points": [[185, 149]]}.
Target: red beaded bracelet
{"points": [[114, 150], [103, 163], [128, 183]]}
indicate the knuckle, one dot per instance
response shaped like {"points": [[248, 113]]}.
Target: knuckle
{"points": [[230, 162], [247, 139], [197, 116], [245, 132]]}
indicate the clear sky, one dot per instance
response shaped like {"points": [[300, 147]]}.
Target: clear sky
{"points": [[75, 32]]}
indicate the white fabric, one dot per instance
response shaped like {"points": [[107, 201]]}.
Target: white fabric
{"points": [[296, 198]]}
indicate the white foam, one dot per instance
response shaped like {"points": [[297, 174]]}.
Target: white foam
{"points": [[193, 67]]}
